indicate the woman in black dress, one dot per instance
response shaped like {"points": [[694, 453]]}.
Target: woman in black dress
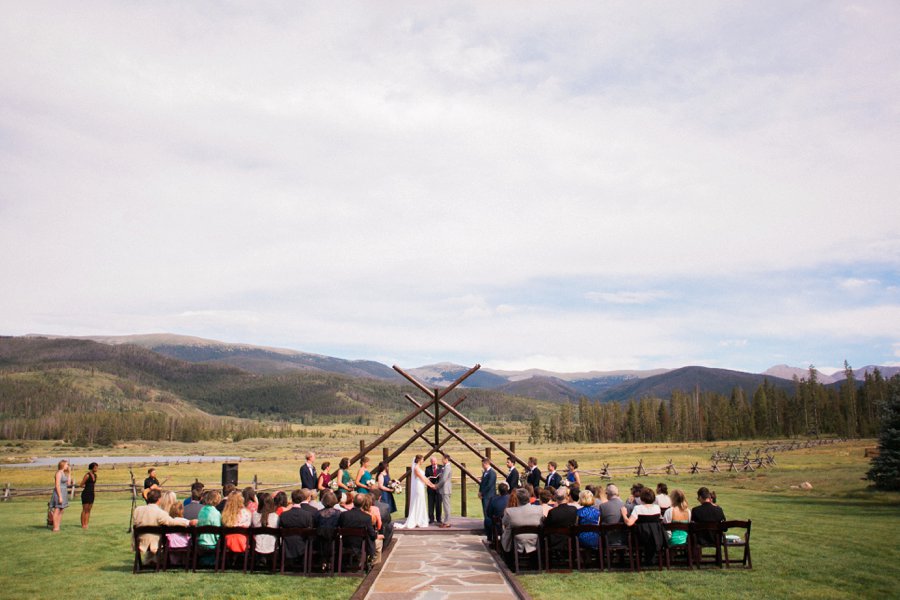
{"points": [[87, 493]]}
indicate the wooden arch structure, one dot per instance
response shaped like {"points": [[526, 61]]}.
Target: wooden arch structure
{"points": [[437, 409]]}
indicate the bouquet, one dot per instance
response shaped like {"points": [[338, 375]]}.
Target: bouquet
{"points": [[333, 486], [396, 486]]}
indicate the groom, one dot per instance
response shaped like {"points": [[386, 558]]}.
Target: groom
{"points": [[444, 486]]}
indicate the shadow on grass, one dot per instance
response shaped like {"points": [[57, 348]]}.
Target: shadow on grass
{"points": [[121, 569]]}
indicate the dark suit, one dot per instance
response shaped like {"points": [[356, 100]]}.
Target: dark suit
{"points": [[707, 513], [495, 509], [387, 528], [553, 480], [313, 511], [357, 518], [563, 515], [534, 478], [294, 546], [434, 502], [512, 479], [487, 488], [309, 479]]}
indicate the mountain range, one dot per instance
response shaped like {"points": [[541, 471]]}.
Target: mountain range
{"points": [[534, 383]]}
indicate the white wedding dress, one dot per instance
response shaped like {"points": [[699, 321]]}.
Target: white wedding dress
{"points": [[418, 501]]}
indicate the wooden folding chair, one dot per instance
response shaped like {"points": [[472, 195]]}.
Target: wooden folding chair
{"points": [[185, 553], [703, 537], [226, 552], [616, 538], [526, 530], [160, 530], [288, 533], [649, 539], [557, 532], [744, 543], [199, 551], [255, 554], [576, 531], [344, 533], [673, 551]]}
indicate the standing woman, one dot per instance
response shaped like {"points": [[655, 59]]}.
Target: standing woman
{"points": [[384, 484], [344, 479], [87, 493], [324, 481], [572, 475], [363, 477], [60, 499]]}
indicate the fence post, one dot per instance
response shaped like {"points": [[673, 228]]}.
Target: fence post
{"points": [[408, 488], [462, 498], [255, 483], [362, 446], [512, 446], [385, 454], [6, 493]]}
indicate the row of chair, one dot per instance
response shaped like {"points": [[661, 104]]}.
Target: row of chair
{"points": [[326, 544], [706, 544]]}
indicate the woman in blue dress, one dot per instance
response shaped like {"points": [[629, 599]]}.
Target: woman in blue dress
{"points": [[588, 515], [384, 484], [572, 475], [363, 476]]}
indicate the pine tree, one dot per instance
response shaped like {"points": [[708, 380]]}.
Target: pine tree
{"points": [[885, 471]]}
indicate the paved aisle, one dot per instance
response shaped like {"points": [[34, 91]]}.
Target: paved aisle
{"points": [[438, 567]]}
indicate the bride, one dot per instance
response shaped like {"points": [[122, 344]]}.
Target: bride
{"points": [[418, 501]]}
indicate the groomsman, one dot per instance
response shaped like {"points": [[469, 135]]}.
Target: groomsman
{"points": [[308, 476], [487, 489], [554, 479], [433, 473], [534, 474], [445, 488], [512, 479]]}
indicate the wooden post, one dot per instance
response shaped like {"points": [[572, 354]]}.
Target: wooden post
{"points": [[362, 448], [255, 482], [437, 412], [487, 453], [6, 491], [385, 453], [408, 488], [462, 488], [512, 446]]}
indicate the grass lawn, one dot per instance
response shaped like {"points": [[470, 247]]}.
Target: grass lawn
{"points": [[837, 541]]}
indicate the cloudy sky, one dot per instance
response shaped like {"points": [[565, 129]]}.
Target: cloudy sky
{"points": [[567, 186]]}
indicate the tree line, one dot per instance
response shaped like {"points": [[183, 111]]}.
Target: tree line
{"points": [[852, 409]]}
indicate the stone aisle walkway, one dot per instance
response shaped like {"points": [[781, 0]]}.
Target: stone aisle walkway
{"points": [[440, 567]]}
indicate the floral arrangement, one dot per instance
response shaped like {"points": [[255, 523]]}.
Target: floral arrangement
{"points": [[396, 486], [333, 486]]}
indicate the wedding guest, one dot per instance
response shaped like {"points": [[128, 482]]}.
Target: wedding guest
{"points": [[192, 505], [384, 484], [306, 497], [554, 479], [706, 512], [87, 493], [358, 518], [563, 515], [209, 515], [236, 515], [374, 513], [588, 515], [226, 491], [611, 512], [520, 516], [649, 535], [178, 541], [297, 517], [166, 500], [662, 497], [532, 493], [512, 478], [363, 476], [677, 513], [266, 517], [250, 501], [597, 491], [328, 516], [313, 500], [151, 515], [635, 498], [712, 495], [487, 486], [344, 479], [59, 501], [324, 481], [545, 496], [646, 507], [346, 502], [575, 491], [387, 527], [281, 502], [534, 474], [572, 475], [308, 476], [496, 508]]}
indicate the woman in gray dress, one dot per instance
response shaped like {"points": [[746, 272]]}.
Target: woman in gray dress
{"points": [[60, 499]]}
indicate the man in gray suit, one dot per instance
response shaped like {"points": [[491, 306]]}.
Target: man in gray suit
{"points": [[524, 514], [444, 488]]}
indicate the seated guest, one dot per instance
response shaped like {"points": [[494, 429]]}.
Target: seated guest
{"points": [[296, 517], [152, 515], [520, 516], [193, 505], [554, 479], [346, 502], [712, 495], [598, 494], [575, 492], [588, 515], [677, 513], [281, 502], [495, 509], [167, 499], [236, 515], [384, 512], [563, 515], [250, 501], [209, 515], [611, 512], [313, 499], [358, 518], [646, 507], [265, 517], [532, 493], [650, 535], [544, 496], [369, 507], [306, 497], [662, 497], [226, 491], [178, 541], [328, 522], [635, 498], [706, 512]]}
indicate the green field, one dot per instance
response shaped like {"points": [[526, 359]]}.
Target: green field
{"points": [[836, 541]]}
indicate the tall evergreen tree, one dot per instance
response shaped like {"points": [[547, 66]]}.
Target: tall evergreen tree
{"points": [[885, 471]]}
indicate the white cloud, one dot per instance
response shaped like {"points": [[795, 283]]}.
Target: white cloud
{"points": [[633, 297]]}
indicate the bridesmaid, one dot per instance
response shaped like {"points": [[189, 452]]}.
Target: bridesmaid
{"points": [[384, 484], [324, 481], [87, 493], [344, 479], [572, 475], [60, 499], [363, 476]]}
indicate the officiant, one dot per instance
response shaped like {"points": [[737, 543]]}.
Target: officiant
{"points": [[433, 474]]}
